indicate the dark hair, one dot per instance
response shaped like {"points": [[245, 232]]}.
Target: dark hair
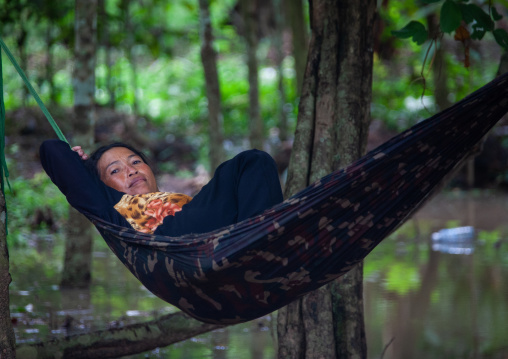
{"points": [[93, 161]]}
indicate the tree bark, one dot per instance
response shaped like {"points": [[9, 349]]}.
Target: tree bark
{"points": [[503, 64], [78, 246], [114, 343], [439, 72], [299, 30], [209, 61], [248, 9], [279, 59], [106, 45], [7, 338], [331, 132]]}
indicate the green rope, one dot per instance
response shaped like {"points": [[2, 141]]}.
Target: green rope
{"points": [[33, 92], [4, 172]]}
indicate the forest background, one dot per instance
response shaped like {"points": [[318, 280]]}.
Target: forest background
{"points": [[151, 89]]}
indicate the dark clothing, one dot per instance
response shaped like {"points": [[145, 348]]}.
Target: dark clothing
{"points": [[241, 188]]}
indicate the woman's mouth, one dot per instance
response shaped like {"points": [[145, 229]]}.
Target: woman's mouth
{"points": [[137, 181]]}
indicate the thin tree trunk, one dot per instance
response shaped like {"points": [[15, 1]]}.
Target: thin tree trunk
{"points": [[78, 246], [331, 132], [439, 72], [128, 52], [7, 338], [209, 60], [503, 64], [50, 69], [248, 9], [118, 342], [278, 44], [299, 30], [105, 43], [23, 59]]}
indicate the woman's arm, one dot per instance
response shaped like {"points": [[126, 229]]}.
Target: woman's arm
{"points": [[83, 190]]}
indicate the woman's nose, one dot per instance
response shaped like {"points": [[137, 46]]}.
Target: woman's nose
{"points": [[132, 171]]}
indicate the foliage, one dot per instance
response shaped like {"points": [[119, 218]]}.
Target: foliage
{"points": [[468, 21], [27, 198], [452, 14]]}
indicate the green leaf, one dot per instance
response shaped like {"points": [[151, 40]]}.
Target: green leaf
{"points": [[451, 16], [482, 18], [495, 15], [478, 32], [467, 13], [501, 37], [430, 1], [414, 29]]}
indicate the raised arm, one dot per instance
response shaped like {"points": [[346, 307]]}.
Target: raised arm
{"points": [[83, 190]]}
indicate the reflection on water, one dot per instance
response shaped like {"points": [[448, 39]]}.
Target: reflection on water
{"points": [[445, 297], [426, 296]]}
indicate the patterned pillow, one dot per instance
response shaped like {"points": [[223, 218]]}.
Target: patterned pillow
{"points": [[145, 212]]}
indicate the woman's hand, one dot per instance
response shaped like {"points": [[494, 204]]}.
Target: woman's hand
{"points": [[80, 152]]}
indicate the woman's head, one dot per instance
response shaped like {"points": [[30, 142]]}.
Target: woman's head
{"points": [[123, 168]]}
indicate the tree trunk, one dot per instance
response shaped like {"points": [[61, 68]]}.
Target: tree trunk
{"points": [[78, 246], [50, 69], [118, 342], [439, 72], [332, 127], [106, 46], [279, 59], [503, 64], [296, 20], [209, 60], [129, 45], [7, 338], [248, 9]]}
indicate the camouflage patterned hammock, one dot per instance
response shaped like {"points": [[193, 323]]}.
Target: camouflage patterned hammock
{"points": [[252, 268]]}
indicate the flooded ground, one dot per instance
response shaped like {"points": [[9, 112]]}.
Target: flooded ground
{"points": [[424, 298]]}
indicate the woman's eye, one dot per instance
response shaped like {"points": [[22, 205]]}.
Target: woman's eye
{"points": [[114, 171], [135, 162]]}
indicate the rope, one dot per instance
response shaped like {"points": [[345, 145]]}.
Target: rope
{"points": [[4, 172], [33, 92]]}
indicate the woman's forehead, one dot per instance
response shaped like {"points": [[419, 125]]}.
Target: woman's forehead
{"points": [[115, 154]]}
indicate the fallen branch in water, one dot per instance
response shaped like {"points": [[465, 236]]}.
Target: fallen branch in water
{"points": [[117, 342]]}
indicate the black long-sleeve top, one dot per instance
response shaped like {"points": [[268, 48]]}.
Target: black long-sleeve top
{"points": [[83, 189], [241, 188]]}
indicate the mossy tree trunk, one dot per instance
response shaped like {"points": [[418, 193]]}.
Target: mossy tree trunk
{"points": [[7, 338], [78, 245], [209, 61], [332, 130]]}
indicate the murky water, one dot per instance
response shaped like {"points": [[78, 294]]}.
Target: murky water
{"points": [[423, 298]]}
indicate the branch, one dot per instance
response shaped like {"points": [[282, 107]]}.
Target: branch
{"points": [[117, 342]]}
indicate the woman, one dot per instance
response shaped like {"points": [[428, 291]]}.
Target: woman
{"points": [[241, 188]]}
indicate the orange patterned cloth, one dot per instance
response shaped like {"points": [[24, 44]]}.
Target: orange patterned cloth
{"points": [[145, 212]]}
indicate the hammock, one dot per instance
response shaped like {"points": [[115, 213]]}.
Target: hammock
{"points": [[247, 270]]}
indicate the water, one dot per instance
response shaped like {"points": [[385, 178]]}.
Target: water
{"points": [[424, 298]]}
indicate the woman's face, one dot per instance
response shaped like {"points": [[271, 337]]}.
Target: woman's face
{"points": [[123, 170]]}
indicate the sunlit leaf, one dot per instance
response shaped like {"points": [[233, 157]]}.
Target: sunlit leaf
{"points": [[451, 16], [501, 37], [414, 29]]}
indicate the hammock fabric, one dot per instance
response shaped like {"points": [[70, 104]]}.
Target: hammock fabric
{"points": [[247, 270]]}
